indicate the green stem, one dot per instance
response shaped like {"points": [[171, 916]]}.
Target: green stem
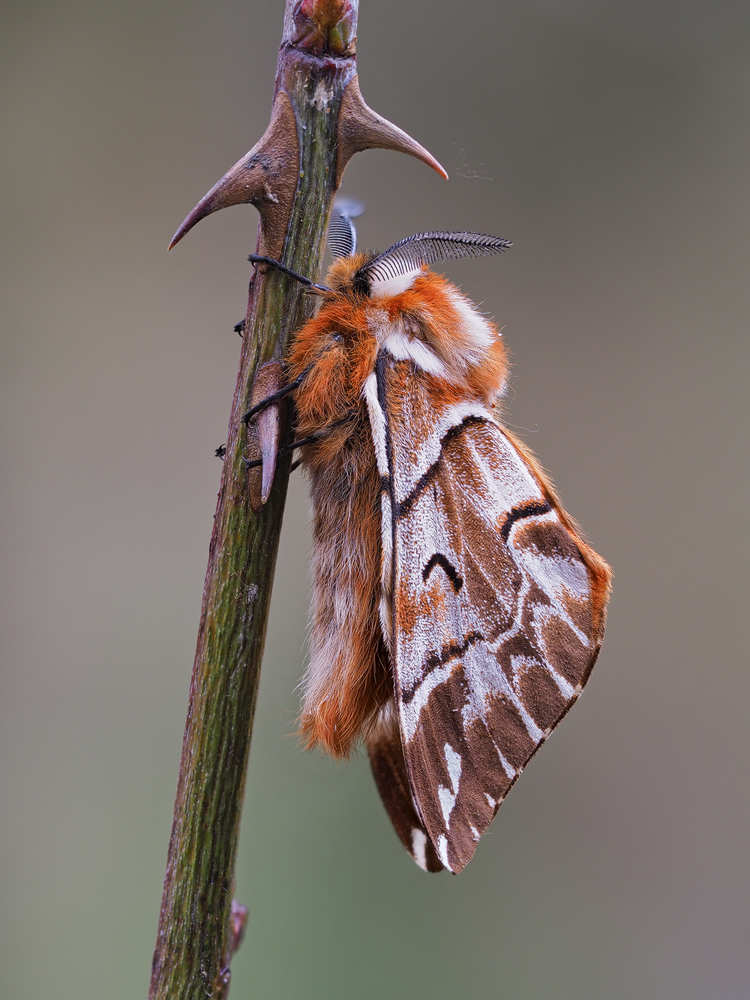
{"points": [[196, 936]]}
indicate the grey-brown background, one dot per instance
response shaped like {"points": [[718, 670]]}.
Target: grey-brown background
{"points": [[609, 140]]}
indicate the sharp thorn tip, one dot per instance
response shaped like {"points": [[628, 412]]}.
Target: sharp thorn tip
{"points": [[362, 128]]}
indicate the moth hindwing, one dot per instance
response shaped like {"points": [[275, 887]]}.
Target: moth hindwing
{"points": [[457, 612]]}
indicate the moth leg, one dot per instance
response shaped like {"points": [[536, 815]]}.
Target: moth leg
{"points": [[318, 435], [293, 445], [275, 396], [255, 258]]}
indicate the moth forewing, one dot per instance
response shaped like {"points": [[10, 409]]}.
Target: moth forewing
{"points": [[497, 619], [456, 612]]}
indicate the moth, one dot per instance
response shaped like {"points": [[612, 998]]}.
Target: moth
{"points": [[456, 610]]}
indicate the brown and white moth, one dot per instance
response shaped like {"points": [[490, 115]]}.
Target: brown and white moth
{"points": [[456, 610]]}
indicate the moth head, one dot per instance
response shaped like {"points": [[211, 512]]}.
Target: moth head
{"points": [[345, 275]]}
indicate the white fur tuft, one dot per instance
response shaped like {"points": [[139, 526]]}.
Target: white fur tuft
{"points": [[387, 287], [476, 326], [404, 348]]}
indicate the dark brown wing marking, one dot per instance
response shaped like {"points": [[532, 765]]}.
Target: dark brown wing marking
{"points": [[531, 509], [438, 559], [405, 505], [450, 651]]}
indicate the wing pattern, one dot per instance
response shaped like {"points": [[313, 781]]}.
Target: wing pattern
{"points": [[389, 770], [497, 614]]}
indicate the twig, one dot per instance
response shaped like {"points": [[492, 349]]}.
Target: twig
{"points": [[319, 120]]}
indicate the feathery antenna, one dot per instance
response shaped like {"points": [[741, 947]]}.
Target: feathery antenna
{"points": [[428, 248], [342, 236]]}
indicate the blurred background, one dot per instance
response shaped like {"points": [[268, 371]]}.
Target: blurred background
{"points": [[609, 140]]}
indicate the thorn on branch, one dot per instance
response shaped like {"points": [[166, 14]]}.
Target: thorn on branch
{"points": [[266, 177]]}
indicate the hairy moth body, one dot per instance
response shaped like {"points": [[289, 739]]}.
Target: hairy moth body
{"points": [[456, 613]]}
